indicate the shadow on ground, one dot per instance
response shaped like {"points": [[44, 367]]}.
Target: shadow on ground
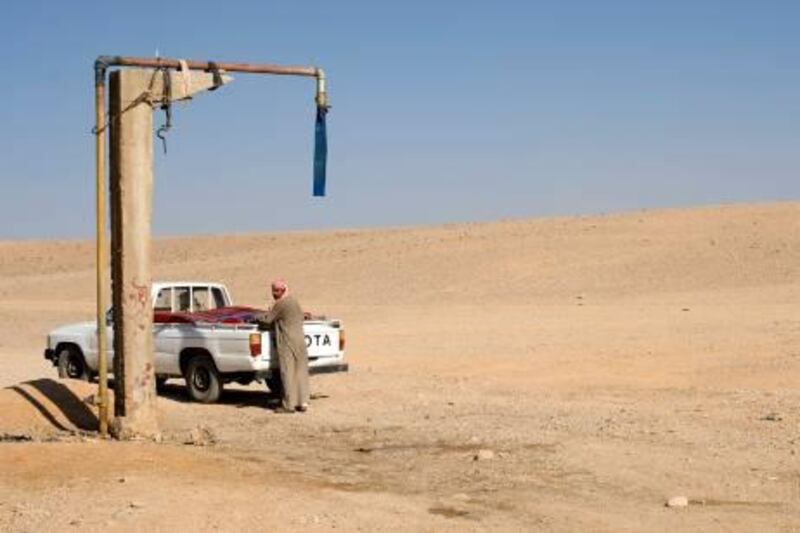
{"points": [[61, 406], [236, 397]]}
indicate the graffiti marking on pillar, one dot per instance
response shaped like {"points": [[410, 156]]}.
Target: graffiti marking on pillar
{"points": [[141, 293]]}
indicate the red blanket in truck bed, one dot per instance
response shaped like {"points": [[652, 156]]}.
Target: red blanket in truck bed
{"points": [[223, 315]]}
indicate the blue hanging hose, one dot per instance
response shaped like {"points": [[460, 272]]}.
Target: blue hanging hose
{"points": [[320, 151]]}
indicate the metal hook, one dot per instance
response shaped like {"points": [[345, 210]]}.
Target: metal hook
{"points": [[166, 106]]}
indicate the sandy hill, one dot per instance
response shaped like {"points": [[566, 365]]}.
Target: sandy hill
{"points": [[516, 261]]}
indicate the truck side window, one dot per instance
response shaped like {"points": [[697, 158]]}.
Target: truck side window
{"points": [[219, 299], [182, 299], [163, 300], [200, 299]]}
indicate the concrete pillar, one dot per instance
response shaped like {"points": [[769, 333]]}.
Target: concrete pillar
{"points": [[131, 176], [131, 173]]}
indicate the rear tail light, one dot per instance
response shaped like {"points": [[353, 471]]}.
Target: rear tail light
{"points": [[341, 340], [255, 344]]}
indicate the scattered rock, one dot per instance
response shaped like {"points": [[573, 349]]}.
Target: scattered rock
{"points": [[135, 505], [448, 512], [91, 400], [121, 428], [200, 436], [678, 501], [772, 417], [122, 480], [15, 437], [483, 455]]}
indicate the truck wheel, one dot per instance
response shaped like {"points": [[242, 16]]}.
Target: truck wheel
{"points": [[275, 384], [160, 382], [71, 364], [202, 380]]}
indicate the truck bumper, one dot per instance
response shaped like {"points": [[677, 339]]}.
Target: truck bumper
{"points": [[328, 369], [50, 355], [264, 374]]}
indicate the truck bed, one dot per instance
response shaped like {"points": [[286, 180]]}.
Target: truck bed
{"points": [[223, 315], [235, 315]]}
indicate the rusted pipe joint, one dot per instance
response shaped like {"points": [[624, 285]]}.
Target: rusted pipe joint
{"points": [[322, 95], [101, 65]]}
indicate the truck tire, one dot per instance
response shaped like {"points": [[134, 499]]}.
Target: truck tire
{"points": [[71, 364], [202, 380], [275, 384], [160, 382]]}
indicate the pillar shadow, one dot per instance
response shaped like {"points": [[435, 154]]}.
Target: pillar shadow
{"points": [[72, 407]]}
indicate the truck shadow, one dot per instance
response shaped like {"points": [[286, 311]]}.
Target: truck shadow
{"points": [[59, 398], [236, 397]]}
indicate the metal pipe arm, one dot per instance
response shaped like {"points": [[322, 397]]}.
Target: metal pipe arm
{"points": [[252, 68], [102, 64]]}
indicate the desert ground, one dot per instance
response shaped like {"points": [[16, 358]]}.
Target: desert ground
{"points": [[547, 374]]}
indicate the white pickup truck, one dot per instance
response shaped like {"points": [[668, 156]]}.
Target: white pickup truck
{"points": [[200, 336]]}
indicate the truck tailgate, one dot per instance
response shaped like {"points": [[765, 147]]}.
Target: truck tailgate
{"points": [[322, 341]]}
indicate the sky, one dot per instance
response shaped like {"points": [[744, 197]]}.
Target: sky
{"points": [[447, 111]]}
